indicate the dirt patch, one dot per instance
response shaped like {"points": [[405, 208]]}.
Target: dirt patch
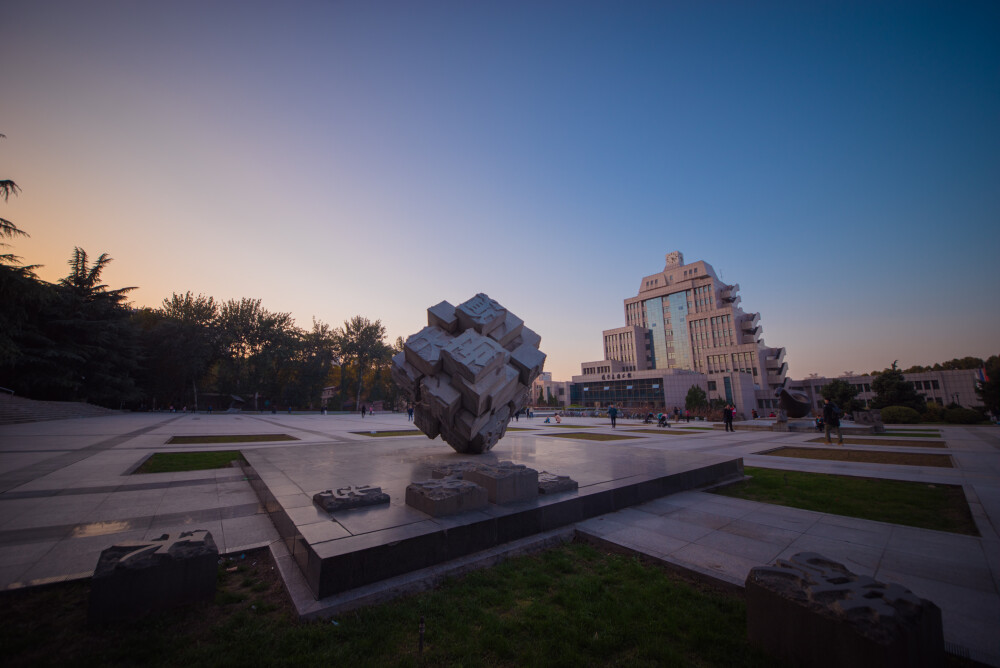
{"points": [[864, 456]]}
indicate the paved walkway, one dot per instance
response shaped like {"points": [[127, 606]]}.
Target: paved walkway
{"points": [[66, 493]]}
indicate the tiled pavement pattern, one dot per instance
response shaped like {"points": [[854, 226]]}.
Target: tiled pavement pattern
{"points": [[66, 493]]}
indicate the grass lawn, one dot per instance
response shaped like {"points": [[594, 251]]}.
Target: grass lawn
{"points": [[229, 438], [916, 504], [398, 432], [169, 462], [571, 606], [864, 456], [594, 437], [854, 440]]}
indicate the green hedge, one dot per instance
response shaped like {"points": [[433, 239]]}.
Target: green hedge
{"points": [[900, 415], [962, 416]]}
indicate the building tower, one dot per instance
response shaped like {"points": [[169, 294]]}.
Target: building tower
{"points": [[685, 318]]}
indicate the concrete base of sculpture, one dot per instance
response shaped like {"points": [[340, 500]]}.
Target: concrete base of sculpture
{"points": [[812, 611], [447, 496], [369, 545], [135, 578], [345, 498]]}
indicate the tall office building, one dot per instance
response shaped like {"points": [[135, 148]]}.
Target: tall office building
{"points": [[685, 321]]}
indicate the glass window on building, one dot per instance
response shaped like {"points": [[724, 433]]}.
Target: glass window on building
{"points": [[934, 384]]}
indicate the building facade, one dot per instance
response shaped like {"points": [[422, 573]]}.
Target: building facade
{"points": [[684, 327], [957, 386]]}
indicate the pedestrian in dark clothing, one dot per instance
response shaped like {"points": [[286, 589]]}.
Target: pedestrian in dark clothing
{"points": [[727, 417], [613, 414], [831, 420]]}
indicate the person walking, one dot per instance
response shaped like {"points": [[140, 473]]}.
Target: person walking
{"points": [[613, 414], [831, 420], [727, 417]]}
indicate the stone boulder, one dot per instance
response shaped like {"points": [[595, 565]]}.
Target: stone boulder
{"points": [[812, 611]]}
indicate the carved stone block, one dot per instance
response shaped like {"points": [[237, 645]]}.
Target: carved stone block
{"points": [[456, 469], [346, 498], [480, 314], [406, 375], [486, 436], [443, 315], [423, 349], [528, 361], [425, 421], [473, 356], [550, 483], [508, 331], [467, 424], [495, 389], [812, 611], [135, 578], [440, 396], [529, 337], [447, 496], [505, 482]]}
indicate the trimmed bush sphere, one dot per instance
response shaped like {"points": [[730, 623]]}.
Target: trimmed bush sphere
{"points": [[900, 415]]}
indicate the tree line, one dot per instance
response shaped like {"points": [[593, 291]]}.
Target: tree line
{"points": [[81, 340]]}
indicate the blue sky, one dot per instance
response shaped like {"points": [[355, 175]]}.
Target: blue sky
{"points": [[839, 160]]}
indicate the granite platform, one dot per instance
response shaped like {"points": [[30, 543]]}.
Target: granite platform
{"points": [[347, 549]]}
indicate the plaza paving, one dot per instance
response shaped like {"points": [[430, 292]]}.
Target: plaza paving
{"points": [[67, 491]]}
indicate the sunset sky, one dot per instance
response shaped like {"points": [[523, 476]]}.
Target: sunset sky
{"points": [[839, 160]]}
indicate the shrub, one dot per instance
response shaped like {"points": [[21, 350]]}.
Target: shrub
{"points": [[962, 416], [900, 415], [933, 413]]}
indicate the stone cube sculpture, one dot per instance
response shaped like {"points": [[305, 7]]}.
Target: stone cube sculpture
{"points": [[134, 578], [468, 372], [812, 611]]}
